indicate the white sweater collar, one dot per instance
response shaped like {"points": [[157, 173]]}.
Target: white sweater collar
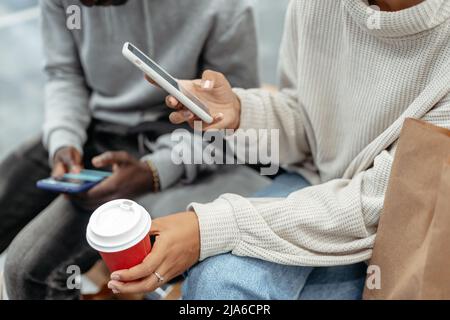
{"points": [[422, 17]]}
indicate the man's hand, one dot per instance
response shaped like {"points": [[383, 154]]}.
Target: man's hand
{"points": [[176, 249], [130, 178], [214, 90], [67, 159]]}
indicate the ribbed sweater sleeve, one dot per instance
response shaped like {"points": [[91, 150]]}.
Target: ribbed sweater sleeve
{"points": [[329, 224]]}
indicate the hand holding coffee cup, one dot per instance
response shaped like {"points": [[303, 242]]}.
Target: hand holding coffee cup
{"points": [[176, 249], [119, 231]]}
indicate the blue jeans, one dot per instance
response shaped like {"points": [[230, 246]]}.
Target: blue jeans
{"points": [[230, 277]]}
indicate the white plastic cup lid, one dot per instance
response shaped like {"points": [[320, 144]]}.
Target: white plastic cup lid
{"points": [[117, 225]]}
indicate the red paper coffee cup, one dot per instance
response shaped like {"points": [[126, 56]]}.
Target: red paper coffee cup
{"points": [[119, 231]]}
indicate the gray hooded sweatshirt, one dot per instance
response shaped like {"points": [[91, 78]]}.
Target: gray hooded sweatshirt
{"points": [[88, 78]]}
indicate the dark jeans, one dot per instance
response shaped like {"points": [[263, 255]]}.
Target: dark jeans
{"points": [[37, 268]]}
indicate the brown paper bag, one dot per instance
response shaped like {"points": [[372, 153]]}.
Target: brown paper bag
{"points": [[412, 247]]}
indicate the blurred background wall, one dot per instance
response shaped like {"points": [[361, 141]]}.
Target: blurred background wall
{"points": [[21, 79]]}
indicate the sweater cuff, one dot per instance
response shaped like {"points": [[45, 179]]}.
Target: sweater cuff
{"points": [[219, 232], [62, 138], [169, 172], [252, 110]]}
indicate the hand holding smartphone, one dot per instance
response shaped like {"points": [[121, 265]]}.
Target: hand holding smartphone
{"points": [[167, 82]]}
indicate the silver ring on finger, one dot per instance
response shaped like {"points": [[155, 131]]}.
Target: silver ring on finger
{"points": [[159, 277]]}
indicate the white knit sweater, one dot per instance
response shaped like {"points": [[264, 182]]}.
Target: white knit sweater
{"points": [[346, 90]]}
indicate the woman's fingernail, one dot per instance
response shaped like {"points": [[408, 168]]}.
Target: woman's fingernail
{"points": [[111, 286], [207, 84], [115, 277], [175, 118]]}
